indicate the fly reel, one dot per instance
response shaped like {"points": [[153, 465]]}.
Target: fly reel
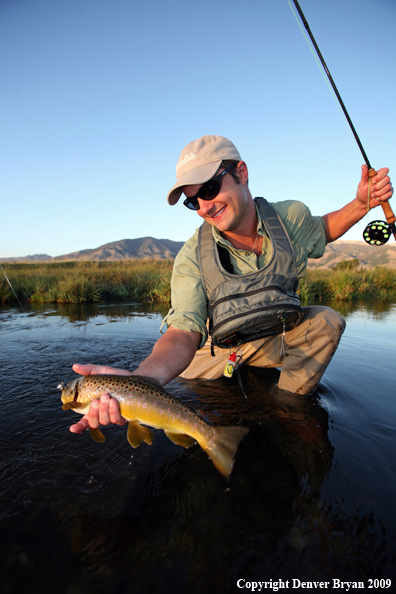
{"points": [[377, 233]]}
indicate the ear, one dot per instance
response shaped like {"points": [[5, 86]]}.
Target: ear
{"points": [[242, 171]]}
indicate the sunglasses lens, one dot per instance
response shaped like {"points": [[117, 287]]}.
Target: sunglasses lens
{"points": [[191, 203], [208, 191]]}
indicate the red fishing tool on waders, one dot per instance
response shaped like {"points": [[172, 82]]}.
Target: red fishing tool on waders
{"points": [[377, 232], [233, 363]]}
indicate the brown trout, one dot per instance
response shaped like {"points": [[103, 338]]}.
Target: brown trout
{"points": [[143, 400]]}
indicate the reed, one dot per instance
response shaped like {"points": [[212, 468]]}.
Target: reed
{"points": [[81, 282], [149, 280]]}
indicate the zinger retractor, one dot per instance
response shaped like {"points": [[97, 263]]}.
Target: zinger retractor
{"points": [[377, 233]]}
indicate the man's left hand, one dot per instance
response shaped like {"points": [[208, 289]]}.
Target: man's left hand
{"points": [[380, 187]]}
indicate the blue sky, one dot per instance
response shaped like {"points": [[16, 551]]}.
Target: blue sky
{"points": [[99, 97]]}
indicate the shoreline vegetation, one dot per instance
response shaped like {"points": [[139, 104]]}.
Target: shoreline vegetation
{"points": [[149, 281]]}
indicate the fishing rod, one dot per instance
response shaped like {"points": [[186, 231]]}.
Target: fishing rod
{"points": [[377, 232], [12, 288]]}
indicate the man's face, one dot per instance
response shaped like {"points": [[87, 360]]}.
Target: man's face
{"points": [[226, 211]]}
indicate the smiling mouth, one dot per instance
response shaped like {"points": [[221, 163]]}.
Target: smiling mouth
{"points": [[220, 212]]}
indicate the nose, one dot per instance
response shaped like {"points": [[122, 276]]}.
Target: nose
{"points": [[205, 206]]}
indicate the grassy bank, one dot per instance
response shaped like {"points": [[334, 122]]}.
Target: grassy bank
{"points": [[80, 282], [149, 280]]}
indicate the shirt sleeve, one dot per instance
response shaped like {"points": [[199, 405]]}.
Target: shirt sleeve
{"points": [[307, 232], [189, 310]]}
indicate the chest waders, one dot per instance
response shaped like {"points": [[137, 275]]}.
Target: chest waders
{"points": [[243, 308]]}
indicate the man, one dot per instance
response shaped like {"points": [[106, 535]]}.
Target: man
{"points": [[262, 241]]}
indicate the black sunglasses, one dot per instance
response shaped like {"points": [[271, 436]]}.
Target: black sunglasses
{"points": [[208, 190]]}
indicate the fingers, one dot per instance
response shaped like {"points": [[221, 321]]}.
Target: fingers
{"points": [[80, 426], [381, 188], [90, 369], [103, 411]]}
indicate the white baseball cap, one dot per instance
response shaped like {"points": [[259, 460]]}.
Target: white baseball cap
{"points": [[199, 161]]}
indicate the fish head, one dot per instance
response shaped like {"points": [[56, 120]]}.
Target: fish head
{"points": [[70, 394]]}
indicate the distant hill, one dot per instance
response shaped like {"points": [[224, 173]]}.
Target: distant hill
{"points": [[368, 255], [149, 247], [35, 258], [126, 249]]}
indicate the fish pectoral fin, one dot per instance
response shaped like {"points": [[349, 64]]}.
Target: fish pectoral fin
{"points": [[137, 433], [74, 405], [181, 439], [97, 435]]}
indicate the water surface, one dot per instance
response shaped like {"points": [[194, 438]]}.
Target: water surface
{"points": [[311, 496]]}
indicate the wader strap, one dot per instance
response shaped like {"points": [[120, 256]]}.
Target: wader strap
{"points": [[225, 259]]}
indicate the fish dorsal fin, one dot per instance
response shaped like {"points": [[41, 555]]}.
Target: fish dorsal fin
{"points": [[181, 439], [97, 435], [137, 433]]}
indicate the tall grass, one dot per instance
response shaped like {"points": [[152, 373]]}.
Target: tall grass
{"points": [[80, 282], [149, 280], [343, 284]]}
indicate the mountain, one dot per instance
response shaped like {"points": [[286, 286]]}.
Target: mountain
{"points": [[126, 249], [35, 258], [368, 255], [149, 247]]}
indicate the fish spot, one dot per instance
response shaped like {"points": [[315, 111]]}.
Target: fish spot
{"points": [[186, 420], [161, 412], [168, 409], [144, 405], [178, 414], [144, 397], [155, 403]]}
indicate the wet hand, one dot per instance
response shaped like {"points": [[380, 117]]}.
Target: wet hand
{"points": [[90, 369], [103, 411], [380, 187]]}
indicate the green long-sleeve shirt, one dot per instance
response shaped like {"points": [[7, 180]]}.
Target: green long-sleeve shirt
{"points": [[189, 306]]}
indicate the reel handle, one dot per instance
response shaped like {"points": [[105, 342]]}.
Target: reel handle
{"points": [[386, 207]]}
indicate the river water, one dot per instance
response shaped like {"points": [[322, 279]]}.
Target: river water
{"points": [[311, 496]]}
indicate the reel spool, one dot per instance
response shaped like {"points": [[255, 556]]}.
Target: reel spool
{"points": [[377, 233]]}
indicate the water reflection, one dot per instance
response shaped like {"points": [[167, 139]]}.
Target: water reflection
{"points": [[376, 308], [85, 312]]}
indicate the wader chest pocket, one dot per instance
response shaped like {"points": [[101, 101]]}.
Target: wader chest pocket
{"points": [[245, 317]]}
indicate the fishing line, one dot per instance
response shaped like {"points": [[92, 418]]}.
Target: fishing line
{"points": [[316, 58], [12, 288], [378, 232]]}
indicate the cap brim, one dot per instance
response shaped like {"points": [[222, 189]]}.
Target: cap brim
{"points": [[198, 175]]}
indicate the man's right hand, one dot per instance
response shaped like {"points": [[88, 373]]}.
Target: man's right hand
{"points": [[103, 411]]}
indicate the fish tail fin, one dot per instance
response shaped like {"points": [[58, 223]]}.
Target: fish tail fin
{"points": [[223, 451]]}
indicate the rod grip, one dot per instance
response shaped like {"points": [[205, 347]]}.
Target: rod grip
{"points": [[386, 207]]}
